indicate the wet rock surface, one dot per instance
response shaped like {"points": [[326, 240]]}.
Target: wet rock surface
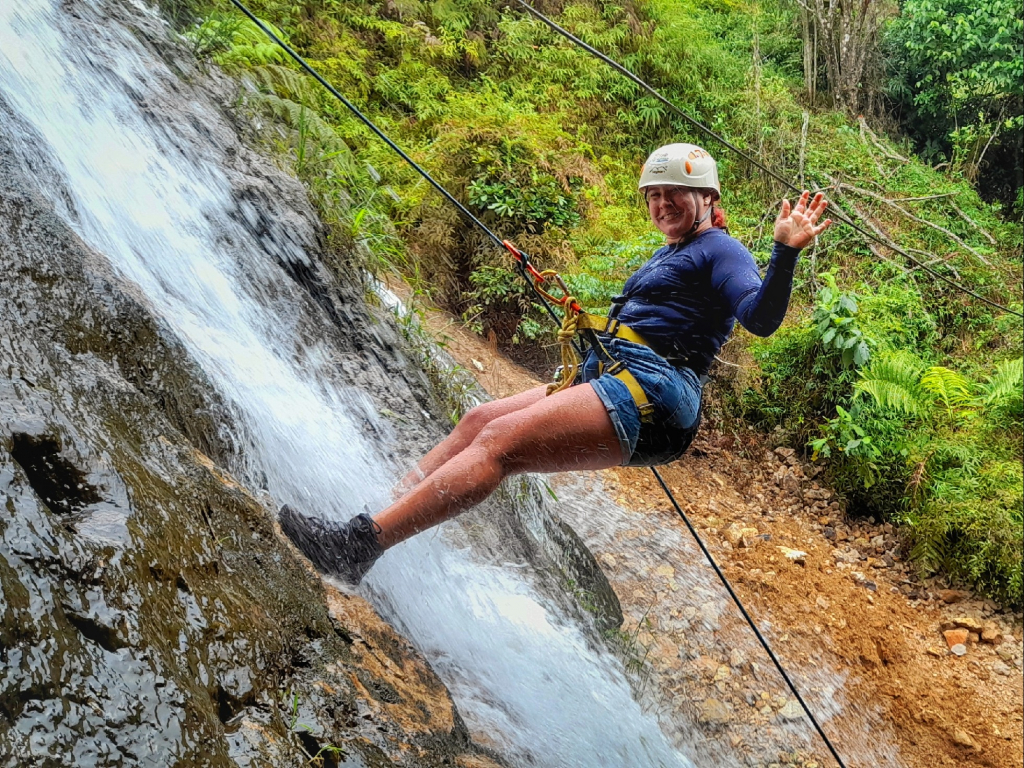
{"points": [[150, 612]]}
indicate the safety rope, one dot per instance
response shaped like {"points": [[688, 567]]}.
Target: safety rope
{"points": [[835, 211], [571, 306]]}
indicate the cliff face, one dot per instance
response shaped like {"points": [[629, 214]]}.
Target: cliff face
{"points": [[151, 613]]}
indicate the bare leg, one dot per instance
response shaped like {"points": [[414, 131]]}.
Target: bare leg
{"points": [[465, 432], [569, 430]]}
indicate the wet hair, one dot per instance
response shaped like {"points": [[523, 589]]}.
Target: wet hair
{"points": [[718, 217]]}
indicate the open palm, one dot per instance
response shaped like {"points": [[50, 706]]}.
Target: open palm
{"points": [[797, 226]]}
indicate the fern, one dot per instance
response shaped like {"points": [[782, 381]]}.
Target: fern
{"points": [[1005, 384], [235, 43], [949, 387], [285, 82], [892, 381]]}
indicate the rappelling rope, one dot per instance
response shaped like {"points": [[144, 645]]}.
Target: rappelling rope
{"points": [[571, 307], [835, 211]]}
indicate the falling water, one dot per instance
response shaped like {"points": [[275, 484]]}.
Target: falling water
{"points": [[83, 98]]}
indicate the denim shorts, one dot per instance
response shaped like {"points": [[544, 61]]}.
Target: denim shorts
{"points": [[674, 392]]}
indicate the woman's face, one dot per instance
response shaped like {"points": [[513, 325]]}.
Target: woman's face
{"points": [[674, 209]]}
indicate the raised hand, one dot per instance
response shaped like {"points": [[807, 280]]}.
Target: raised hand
{"points": [[798, 226]]}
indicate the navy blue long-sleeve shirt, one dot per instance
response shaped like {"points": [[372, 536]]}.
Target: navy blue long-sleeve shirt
{"points": [[685, 300]]}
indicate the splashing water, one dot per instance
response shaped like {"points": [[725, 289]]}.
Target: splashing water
{"points": [[96, 115]]}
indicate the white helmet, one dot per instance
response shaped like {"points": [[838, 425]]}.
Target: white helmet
{"points": [[681, 165]]}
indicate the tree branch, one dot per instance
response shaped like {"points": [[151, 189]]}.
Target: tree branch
{"points": [[918, 219], [865, 128]]}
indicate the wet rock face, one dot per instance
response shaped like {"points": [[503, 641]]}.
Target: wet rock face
{"points": [[150, 614]]}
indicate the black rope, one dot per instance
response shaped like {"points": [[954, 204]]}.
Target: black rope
{"points": [[522, 270], [836, 211], [522, 263], [750, 621]]}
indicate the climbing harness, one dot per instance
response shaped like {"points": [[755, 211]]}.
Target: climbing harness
{"points": [[836, 211], [536, 279], [576, 321]]}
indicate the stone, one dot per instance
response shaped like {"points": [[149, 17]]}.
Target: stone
{"points": [[936, 652], [955, 637], [951, 596], [845, 556], [608, 560], [822, 603], [863, 581], [790, 483], [791, 710], [733, 534], [737, 658], [713, 712], [959, 649], [722, 673], [748, 537], [968, 623], [823, 520], [1005, 653], [1000, 668], [710, 613], [784, 453], [963, 739], [973, 637], [991, 636], [828, 532], [794, 555], [708, 666]]}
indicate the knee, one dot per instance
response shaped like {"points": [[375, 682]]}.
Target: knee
{"points": [[496, 440], [476, 418]]}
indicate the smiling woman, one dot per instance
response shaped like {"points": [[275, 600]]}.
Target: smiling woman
{"points": [[637, 398]]}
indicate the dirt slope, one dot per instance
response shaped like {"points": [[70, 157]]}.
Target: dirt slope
{"points": [[848, 601]]}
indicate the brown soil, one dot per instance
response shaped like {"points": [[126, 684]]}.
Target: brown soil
{"points": [[851, 600]]}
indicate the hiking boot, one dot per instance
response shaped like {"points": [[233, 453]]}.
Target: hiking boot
{"points": [[346, 550]]}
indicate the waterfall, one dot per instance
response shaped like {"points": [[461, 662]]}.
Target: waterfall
{"points": [[90, 105]]}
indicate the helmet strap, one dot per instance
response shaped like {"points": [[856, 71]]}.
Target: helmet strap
{"points": [[704, 216]]}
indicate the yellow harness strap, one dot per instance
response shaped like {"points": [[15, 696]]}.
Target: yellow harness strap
{"points": [[615, 329], [575, 322]]}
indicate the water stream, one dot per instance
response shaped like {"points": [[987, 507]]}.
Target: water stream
{"points": [[84, 96]]}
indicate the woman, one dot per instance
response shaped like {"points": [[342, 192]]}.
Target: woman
{"points": [[673, 316]]}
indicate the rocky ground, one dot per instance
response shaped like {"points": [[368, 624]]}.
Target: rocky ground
{"points": [[901, 671]]}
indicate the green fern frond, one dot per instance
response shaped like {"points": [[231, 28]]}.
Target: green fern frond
{"points": [[1006, 382], [894, 396], [285, 82], [949, 387], [902, 367], [892, 380], [301, 118]]}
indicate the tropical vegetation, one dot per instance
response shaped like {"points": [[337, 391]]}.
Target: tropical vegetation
{"points": [[907, 389]]}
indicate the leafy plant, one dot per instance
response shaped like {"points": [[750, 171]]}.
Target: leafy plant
{"points": [[835, 324]]}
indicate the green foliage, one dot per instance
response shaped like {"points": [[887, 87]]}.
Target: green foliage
{"points": [[958, 71], [835, 324], [235, 42], [540, 204], [543, 144], [963, 466], [894, 382]]}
